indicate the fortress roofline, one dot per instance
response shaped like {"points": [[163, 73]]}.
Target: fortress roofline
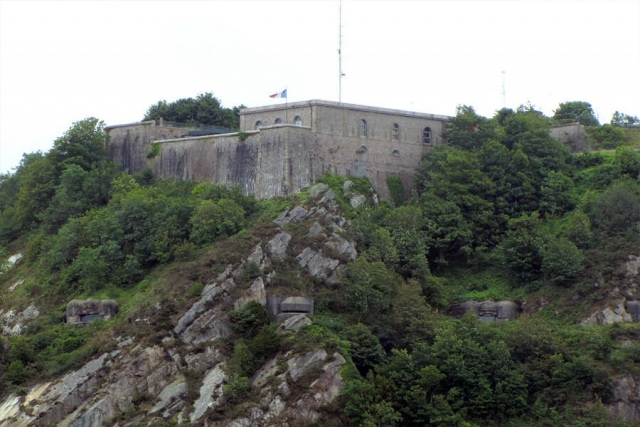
{"points": [[345, 106]]}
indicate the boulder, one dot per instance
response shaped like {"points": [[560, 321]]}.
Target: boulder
{"points": [[295, 323], [300, 365], [209, 292], [357, 200], [318, 265], [315, 230], [342, 246], [277, 246], [255, 293], [210, 393], [295, 215], [317, 190]]}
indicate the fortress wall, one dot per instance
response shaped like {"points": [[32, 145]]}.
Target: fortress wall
{"points": [[572, 135], [347, 156], [129, 144], [274, 162]]}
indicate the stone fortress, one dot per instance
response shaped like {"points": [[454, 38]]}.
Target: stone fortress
{"points": [[281, 149], [284, 148]]}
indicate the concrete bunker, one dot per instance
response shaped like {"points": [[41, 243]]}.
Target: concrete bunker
{"points": [[86, 311], [281, 308], [487, 311], [633, 308]]}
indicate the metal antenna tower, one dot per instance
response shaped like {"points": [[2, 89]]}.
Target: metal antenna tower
{"points": [[340, 73], [504, 95]]}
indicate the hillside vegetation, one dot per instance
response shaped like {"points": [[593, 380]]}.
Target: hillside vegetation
{"points": [[503, 212]]}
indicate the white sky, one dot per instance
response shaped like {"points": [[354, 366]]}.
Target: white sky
{"points": [[63, 61]]}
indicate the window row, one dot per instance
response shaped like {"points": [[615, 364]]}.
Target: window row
{"points": [[297, 121], [395, 132]]}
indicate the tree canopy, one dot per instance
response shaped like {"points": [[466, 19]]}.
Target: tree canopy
{"points": [[204, 109], [575, 111]]}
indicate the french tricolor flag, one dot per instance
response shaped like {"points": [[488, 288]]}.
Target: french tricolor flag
{"points": [[282, 94]]}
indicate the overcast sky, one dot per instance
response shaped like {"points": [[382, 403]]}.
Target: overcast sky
{"points": [[63, 61]]}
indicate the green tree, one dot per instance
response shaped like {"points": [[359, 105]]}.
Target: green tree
{"points": [[628, 160], [456, 176], [37, 187], [364, 348], [468, 130], [617, 210], [557, 194], [249, 320], [212, 219], [368, 289], [522, 247], [621, 119], [406, 226], [579, 231], [84, 144], [561, 261], [575, 111], [204, 109]]}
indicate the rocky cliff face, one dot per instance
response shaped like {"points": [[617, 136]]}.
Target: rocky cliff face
{"points": [[181, 377]]}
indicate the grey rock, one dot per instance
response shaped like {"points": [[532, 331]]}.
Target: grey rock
{"points": [[255, 293], [210, 325], [315, 230], [277, 246], [15, 285], [210, 393], [295, 215], [300, 365], [170, 393], [625, 400], [13, 322], [257, 257], [276, 406], [208, 294], [261, 377], [633, 265], [607, 316], [203, 361], [317, 190], [357, 201], [347, 185], [327, 199], [305, 256], [342, 246], [296, 322]]}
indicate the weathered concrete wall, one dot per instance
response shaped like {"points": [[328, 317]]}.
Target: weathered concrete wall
{"points": [[129, 144], [273, 162], [375, 159], [572, 135]]}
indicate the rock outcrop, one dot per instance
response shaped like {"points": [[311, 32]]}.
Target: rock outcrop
{"points": [[181, 376]]}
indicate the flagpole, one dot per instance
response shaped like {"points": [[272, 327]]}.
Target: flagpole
{"points": [[286, 105]]}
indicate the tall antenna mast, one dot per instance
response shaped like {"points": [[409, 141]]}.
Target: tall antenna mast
{"points": [[340, 73], [504, 97]]}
